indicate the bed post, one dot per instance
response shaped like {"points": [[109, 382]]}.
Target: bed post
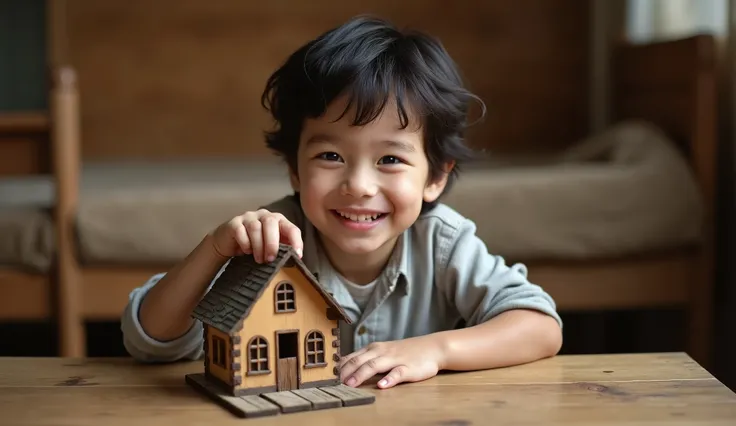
{"points": [[672, 84], [64, 105], [704, 158]]}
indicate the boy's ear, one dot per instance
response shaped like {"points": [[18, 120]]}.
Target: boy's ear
{"points": [[294, 179], [434, 188]]}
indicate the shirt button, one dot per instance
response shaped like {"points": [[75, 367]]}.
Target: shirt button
{"points": [[362, 330]]}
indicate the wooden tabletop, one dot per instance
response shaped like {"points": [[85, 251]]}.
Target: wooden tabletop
{"points": [[644, 389]]}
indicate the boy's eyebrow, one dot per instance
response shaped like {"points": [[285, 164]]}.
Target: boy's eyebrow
{"points": [[402, 146], [324, 137], [320, 137]]}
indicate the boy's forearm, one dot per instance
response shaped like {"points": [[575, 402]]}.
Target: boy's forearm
{"points": [[165, 312], [511, 338]]}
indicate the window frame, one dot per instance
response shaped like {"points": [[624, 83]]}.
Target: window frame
{"points": [[261, 362], [219, 351], [286, 288], [320, 355]]}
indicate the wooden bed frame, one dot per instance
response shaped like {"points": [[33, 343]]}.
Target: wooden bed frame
{"points": [[673, 85], [670, 83], [24, 141]]}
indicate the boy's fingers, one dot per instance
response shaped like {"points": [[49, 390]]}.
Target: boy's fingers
{"points": [[369, 369], [345, 359], [353, 361], [397, 375], [292, 235], [255, 235], [270, 237], [241, 236]]}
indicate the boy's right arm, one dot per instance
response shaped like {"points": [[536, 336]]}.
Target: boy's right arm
{"points": [[157, 325]]}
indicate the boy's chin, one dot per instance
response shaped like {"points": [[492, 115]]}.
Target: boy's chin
{"points": [[362, 247]]}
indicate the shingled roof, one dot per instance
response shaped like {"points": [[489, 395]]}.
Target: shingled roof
{"points": [[241, 284]]}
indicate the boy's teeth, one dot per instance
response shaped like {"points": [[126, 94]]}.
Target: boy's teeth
{"points": [[358, 217]]}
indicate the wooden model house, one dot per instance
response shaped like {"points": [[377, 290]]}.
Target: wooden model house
{"points": [[270, 327]]}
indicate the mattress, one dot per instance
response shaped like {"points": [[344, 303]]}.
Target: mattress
{"points": [[26, 226], [156, 213], [624, 191]]}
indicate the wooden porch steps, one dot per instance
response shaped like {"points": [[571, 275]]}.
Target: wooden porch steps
{"points": [[275, 403]]}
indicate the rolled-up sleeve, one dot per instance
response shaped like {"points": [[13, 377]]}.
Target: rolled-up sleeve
{"points": [[143, 347], [481, 285]]}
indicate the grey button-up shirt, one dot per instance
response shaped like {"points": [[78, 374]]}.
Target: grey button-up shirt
{"points": [[439, 277]]}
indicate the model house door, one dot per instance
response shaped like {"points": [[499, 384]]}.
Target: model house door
{"points": [[287, 360]]}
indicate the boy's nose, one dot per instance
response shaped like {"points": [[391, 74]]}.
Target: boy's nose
{"points": [[359, 184]]}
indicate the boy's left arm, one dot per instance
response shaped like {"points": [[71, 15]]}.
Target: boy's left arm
{"points": [[509, 321]]}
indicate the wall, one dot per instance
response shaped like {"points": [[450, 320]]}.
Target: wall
{"points": [[183, 79], [22, 55]]}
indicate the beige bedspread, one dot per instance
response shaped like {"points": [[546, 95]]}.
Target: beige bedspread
{"points": [[157, 213], [26, 231], [627, 190]]}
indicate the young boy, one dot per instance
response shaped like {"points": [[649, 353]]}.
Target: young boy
{"points": [[371, 123]]}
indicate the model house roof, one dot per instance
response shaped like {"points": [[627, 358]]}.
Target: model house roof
{"points": [[242, 283]]}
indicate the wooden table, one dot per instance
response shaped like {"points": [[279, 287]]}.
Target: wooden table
{"points": [[588, 390]]}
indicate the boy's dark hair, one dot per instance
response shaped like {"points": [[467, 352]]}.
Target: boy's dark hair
{"points": [[369, 60]]}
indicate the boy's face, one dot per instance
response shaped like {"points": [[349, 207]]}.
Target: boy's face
{"points": [[362, 186]]}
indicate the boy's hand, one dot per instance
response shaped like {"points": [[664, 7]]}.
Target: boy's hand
{"points": [[409, 360], [258, 233]]}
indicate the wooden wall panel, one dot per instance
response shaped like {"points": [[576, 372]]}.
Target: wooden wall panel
{"points": [[175, 79]]}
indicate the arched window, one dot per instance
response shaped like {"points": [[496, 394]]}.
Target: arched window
{"points": [[315, 349], [285, 298], [258, 356]]}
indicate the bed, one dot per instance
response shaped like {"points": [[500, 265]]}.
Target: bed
{"points": [[623, 219]]}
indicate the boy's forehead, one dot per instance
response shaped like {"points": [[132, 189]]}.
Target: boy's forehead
{"points": [[340, 116], [384, 130]]}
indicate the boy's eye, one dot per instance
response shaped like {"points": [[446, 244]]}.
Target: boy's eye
{"points": [[390, 159], [329, 156]]}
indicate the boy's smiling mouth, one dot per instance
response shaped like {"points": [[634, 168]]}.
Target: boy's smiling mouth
{"points": [[366, 218]]}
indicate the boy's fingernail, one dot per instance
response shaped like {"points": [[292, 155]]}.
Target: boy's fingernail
{"points": [[271, 258], [351, 381], [299, 252], [383, 382]]}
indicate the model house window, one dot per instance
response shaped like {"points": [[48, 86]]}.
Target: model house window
{"points": [[257, 355], [219, 357], [285, 300], [315, 349]]}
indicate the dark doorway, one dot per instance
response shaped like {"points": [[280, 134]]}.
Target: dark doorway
{"points": [[287, 354]]}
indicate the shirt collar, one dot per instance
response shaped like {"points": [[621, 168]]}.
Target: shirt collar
{"points": [[397, 269]]}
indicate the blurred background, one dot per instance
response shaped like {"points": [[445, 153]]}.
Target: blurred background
{"points": [[128, 129]]}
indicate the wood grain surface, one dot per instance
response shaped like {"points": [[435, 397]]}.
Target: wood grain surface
{"points": [[644, 389]]}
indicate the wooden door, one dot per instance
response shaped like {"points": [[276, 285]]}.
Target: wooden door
{"points": [[287, 360]]}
